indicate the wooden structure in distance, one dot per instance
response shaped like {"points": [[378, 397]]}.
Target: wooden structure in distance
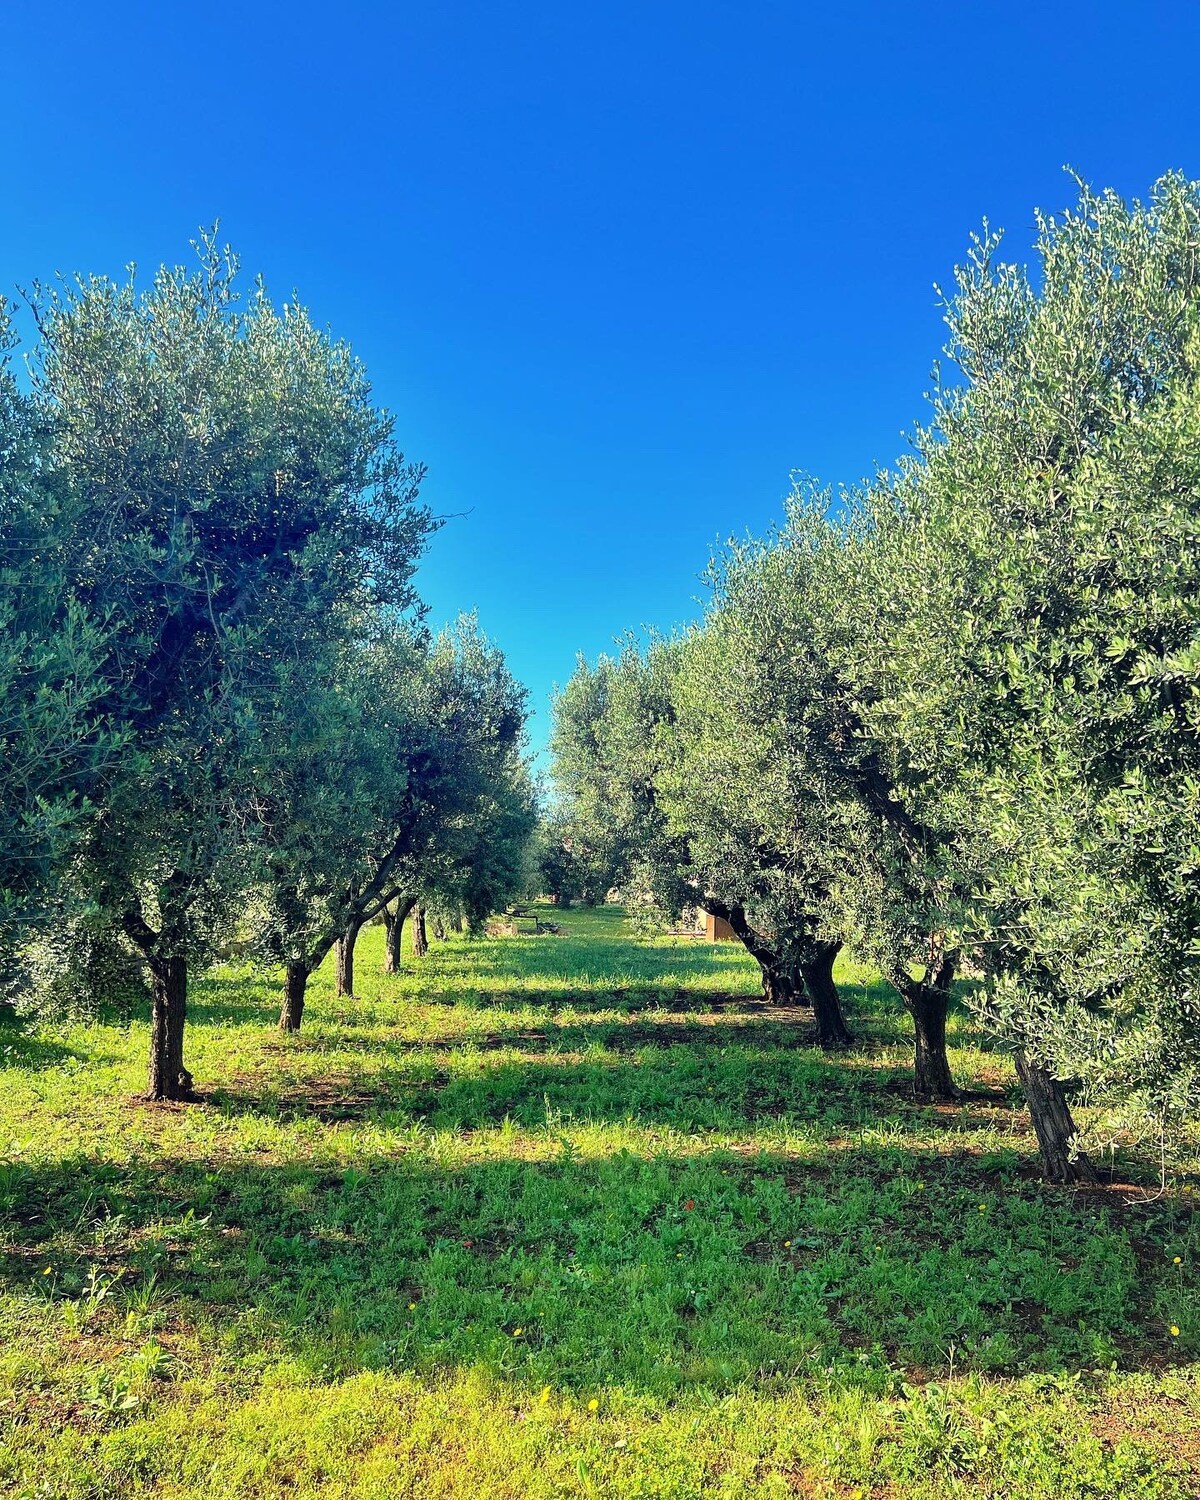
{"points": [[718, 930]]}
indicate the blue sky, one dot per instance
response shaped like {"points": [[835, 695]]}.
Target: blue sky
{"points": [[618, 269]]}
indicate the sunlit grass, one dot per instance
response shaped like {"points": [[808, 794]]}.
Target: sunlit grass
{"points": [[569, 1216]]}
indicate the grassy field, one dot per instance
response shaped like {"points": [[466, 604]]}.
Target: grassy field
{"points": [[570, 1216]]}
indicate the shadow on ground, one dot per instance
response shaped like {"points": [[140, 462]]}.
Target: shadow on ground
{"points": [[19, 1049], [653, 1273]]}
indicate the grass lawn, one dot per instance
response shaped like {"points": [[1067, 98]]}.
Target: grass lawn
{"points": [[570, 1216]]}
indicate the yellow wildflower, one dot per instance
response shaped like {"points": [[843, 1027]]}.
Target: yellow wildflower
{"points": [[593, 1404], [517, 1332], [1174, 1331], [545, 1396]]}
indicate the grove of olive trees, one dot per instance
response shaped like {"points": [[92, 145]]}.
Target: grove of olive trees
{"points": [[221, 706], [951, 718], [946, 721]]}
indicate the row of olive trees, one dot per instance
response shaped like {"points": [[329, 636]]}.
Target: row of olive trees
{"points": [[218, 697], [953, 718], [568, 864]]}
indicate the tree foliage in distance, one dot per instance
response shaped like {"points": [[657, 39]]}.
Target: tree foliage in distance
{"points": [[652, 749], [464, 851], [571, 863], [402, 782], [811, 787]]}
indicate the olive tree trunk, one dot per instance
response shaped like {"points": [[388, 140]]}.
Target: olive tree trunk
{"points": [[816, 965], [1053, 1124], [344, 957], [789, 977], [419, 935], [931, 1063], [169, 1079], [782, 984], [927, 1001], [295, 988], [393, 933]]}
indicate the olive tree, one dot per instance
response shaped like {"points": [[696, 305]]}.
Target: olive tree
{"points": [[340, 761], [653, 749], [479, 863], [408, 784], [468, 849], [236, 497], [800, 773], [610, 727], [573, 862], [1028, 661], [772, 835]]}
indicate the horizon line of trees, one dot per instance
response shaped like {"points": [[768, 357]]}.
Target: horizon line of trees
{"points": [[950, 717], [221, 711]]}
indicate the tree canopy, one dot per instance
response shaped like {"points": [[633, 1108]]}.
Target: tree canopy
{"points": [[221, 688], [951, 716]]}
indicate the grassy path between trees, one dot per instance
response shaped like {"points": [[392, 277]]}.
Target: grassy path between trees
{"points": [[570, 1216]]}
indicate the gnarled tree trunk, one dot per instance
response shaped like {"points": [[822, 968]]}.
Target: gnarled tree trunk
{"points": [[419, 935], [1053, 1123], [816, 966], [393, 933], [344, 957], [169, 1079], [439, 929], [931, 1064], [295, 987], [782, 985], [786, 979], [927, 1001]]}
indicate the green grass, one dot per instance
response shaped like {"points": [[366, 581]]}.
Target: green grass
{"points": [[570, 1216]]}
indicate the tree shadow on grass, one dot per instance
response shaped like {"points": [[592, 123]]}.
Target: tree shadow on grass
{"points": [[647, 1018], [238, 999], [875, 1015], [18, 1049], [652, 1273], [689, 1061], [631, 1029], [621, 1020], [603, 964], [575, 1034], [729, 1087], [224, 998]]}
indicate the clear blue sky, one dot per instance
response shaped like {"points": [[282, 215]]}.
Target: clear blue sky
{"points": [[617, 268]]}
